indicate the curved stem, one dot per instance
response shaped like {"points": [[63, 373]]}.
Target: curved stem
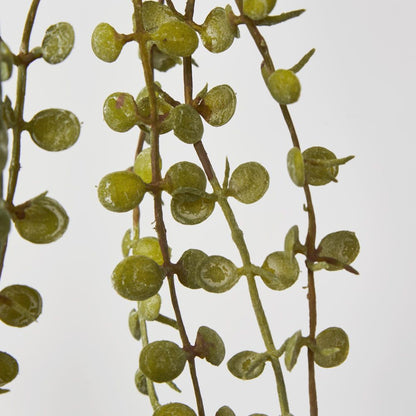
{"points": [[238, 238], [156, 178], [310, 257], [311, 235]]}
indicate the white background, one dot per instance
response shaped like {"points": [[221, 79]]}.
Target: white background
{"points": [[357, 98]]}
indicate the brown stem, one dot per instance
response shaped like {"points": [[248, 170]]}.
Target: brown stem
{"points": [[311, 235], [158, 211]]}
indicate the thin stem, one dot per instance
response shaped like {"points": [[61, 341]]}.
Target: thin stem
{"points": [[18, 112], [238, 238], [310, 247], [158, 211], [310, 256], [311, 235], [167, 321], [237, 234]]}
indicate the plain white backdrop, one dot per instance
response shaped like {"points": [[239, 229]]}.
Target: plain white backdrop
{"points": [[357, 98]]}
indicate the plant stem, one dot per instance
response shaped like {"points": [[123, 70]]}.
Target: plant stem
{"points": [[311, 236], [237, 234], [238, 238], [156, 178], [18, 113], [310, 257]]}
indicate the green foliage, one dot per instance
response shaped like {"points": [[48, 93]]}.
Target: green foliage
{"points": [[176, 38], [19, 305], [249, 182], [137, 278], [209, 345], [189, 267], [58, 42], [185, 175], [224, 411], [149, 308], [341, 246], [295, 166], [8, 368], [167, 37], [258, 9], [106, 43], [174, 409], [247, 365], [162, 361], [284, 270], [217, 274], [284, 86], [41, 220], [292, 349], [191, 206], [218, 31], [134, 325], [6, 61], [155, 14], [187, 124], [54, 129], [218, 105], [143, 165], [331, 348], [121, 191], [120, 111]]}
